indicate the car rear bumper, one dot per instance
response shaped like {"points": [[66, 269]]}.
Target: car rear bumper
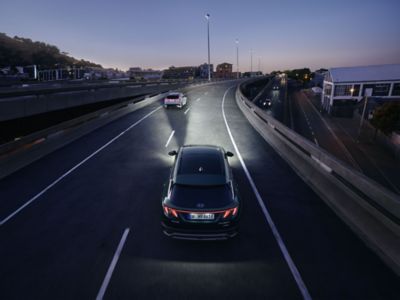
{"points": [[218, 233]]}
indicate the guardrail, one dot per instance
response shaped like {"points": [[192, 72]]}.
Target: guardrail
{"points": [[371, 210]]}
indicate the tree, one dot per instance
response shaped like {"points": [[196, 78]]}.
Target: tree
{"points": [[386, 118]]}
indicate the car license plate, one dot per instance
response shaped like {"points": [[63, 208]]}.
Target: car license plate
{"points": [[206, 216]]}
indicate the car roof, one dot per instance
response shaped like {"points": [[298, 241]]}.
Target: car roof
{"points": [[202, 149], [201, 164]]}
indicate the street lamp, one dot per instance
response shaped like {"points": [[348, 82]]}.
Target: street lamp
{"points": [[237, 58], [251, 62], [208, 39]]}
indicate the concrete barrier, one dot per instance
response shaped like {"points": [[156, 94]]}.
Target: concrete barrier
{"points": [[20, 104], [371, 211]]}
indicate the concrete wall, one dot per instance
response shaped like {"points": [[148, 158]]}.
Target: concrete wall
{"points": [[23, 106]]}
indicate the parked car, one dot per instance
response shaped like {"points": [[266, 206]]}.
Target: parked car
{"points": [[200, 199], [175, 99]]}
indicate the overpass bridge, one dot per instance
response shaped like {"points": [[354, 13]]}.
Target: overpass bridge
{"points": [[83, 220]]}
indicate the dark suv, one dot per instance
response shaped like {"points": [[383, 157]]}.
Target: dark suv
{"points": [[200, 199]]}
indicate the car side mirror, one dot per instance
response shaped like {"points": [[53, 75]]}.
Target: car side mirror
{"points": [[172, 153], [228, 154]]}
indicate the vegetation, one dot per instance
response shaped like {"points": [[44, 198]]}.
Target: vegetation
{"points": [[18, 51], [387, 117]]}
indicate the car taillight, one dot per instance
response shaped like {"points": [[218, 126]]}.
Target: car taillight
{"points": [[170, 212], [230, 212]]}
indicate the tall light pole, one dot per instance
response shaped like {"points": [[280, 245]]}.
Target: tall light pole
{"points": [[208, 39], [237, 58], [251, 62]]}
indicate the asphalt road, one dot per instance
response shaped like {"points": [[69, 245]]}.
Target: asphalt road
{"points": [[277, 98], [92, 227], [309, 124]]}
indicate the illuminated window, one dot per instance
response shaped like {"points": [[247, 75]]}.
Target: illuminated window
{"points": [[343, 90], [356, 90]]}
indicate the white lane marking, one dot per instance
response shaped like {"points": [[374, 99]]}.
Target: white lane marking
{"points": [[75, 167], [186, 111], [170, 137], [285, 252], [198, 99], [316, 142], [206, 93], [111, 268]]}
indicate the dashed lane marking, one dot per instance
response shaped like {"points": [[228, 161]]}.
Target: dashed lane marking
{"points": [[170, 137], [111, 268]]}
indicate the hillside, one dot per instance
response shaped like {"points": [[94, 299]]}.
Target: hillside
{"points": [[18, 51]]}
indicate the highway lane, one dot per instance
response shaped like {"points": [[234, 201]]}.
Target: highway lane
{"points": [[309, 124], [62, 245]]}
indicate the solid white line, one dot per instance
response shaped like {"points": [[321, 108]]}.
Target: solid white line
{"points": [[111, 268], [286, 255], [186, 111], [169, 139], [75, 167]]}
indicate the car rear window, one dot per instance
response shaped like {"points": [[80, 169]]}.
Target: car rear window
{"points": [[201, 164], [211, 197], [173, 96]]}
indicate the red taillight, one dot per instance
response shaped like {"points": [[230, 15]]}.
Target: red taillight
{"points": [[174, 213], [230, 212], [234, 211], [227, 213], [170, 211]]}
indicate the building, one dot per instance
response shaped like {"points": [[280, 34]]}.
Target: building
{"points": [[203, 70], [224, 70], [344, 87], [180, 73], [149, 74]]}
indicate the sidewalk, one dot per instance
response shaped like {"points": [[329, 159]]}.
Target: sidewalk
{"points": [[374, 159]]}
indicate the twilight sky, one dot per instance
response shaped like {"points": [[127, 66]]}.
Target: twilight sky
{"points": [[159, 33]]}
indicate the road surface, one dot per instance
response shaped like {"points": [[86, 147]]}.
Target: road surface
{"points": [[84, 221]]}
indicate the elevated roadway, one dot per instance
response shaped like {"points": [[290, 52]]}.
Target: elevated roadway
{"points": [[84, 221]]}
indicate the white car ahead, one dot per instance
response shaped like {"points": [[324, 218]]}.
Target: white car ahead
{"points": [[175, 99]]}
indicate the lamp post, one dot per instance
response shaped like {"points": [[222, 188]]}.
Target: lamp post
{"points": [[237, 58], [251, 62], [208, 39]]}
